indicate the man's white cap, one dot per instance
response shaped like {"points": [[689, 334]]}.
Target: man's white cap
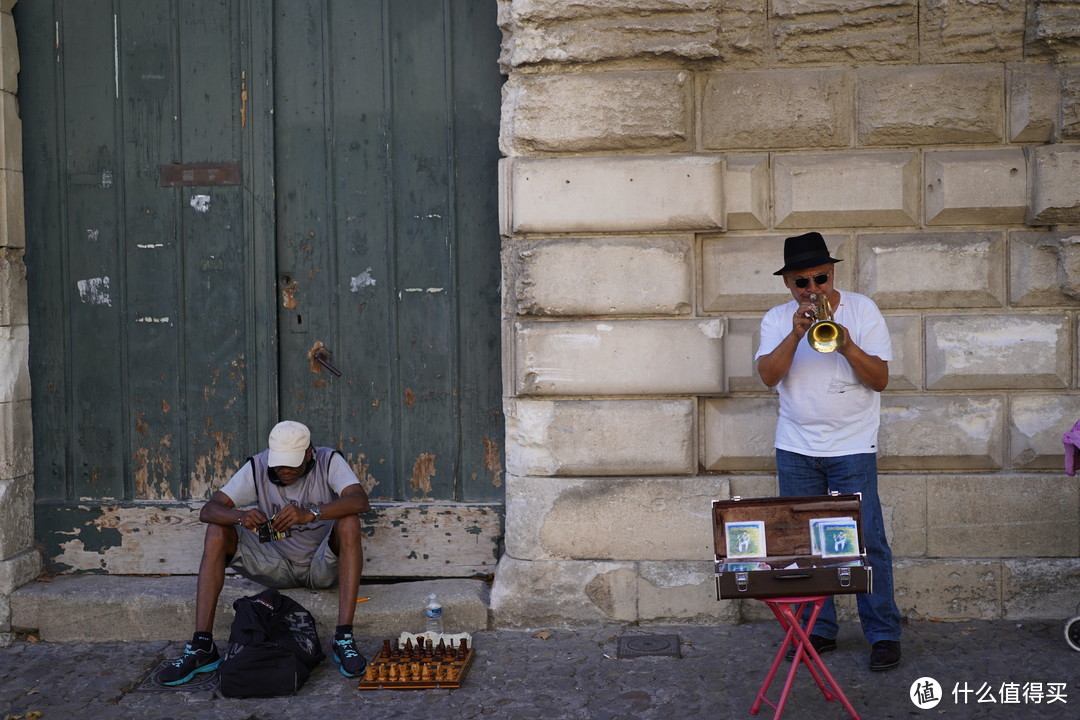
{"points": [[289, 441]]}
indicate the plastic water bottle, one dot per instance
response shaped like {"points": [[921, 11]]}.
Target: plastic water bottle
{"points": [[433, 614]]}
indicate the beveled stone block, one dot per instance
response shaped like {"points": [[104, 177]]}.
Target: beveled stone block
{"points": [[1033, 102], [13, 299], [611, 519], [1036, 424], [930, 105], [772, 109], [625, 357], [682, 592], [738, 434], [534, 593], [737, 271], [966, 352], [948, 590], [600, 437], [1040, 588], [941, 432], [740, 344], [14, 363], [995, 516], [1044, 268], [746, 192], [1055, 184], [966, 32], [600, 276], [12, 215], [16, 439], [903, 507], [11, 145], [844, 32], [846, 190], [906, 366], [931, 270], [16, 515], [596, 112], [976, 187], [614, 194]]}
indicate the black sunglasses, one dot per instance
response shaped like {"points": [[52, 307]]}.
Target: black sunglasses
{"points": [[804, 282]]}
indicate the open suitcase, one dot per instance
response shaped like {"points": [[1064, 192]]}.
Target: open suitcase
{"points": [[790, 546]]}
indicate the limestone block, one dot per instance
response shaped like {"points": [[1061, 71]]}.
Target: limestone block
{"points": [[976, 187], [743, 338], [748, 486], [16, 515], [12, 216], [846, 190], [1070, 103], [1036, 423], [562, 31], [930, 105], [596, 112], [1002, 516], [841, 31], [13, 301], [16, 439], [10, 133], [1033, 100], [1054, 29], [15, 571], [1044, 268], [682, 592], [966, 352], [941, 432], [903, 507], [951, 590], [906, 366], [14, 363], [737, 271], [971, 32], [746, 192], [743, 33], [9, 54], [773, 109], [627, 357], [738, 434], [600, 276], [1040, 588], [532, 594], [600, 437], [929, 270], [614, 194], [611, 519], [1055, 184]]}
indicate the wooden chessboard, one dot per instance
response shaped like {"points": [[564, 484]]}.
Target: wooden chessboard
{"points": [[386, 672]]}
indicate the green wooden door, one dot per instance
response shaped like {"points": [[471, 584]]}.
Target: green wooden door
{"points": [[214, 187]]}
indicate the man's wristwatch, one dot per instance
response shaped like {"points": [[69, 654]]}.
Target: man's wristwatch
{"points": [[316, 511]]}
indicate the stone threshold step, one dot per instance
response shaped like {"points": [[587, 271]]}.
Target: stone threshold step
{"points": [[109, 608]]}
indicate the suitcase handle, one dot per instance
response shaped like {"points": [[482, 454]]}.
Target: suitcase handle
{"points": [[793, 576]]}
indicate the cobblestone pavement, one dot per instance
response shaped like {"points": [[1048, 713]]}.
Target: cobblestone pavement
{"points": [[1001, 670]]}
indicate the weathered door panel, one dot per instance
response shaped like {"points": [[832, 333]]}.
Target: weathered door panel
{"points": [[213, 186]]}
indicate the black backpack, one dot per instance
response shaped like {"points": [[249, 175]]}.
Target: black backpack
{"points": [[273, 647]]}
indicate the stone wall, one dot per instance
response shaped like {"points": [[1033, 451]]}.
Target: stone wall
{"points": [[657, 154], [19, 562]]}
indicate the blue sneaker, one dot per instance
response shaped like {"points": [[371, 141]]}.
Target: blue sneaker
{"points": [[350, 662], [190, 664]]}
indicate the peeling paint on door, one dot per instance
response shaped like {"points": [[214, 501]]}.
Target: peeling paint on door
{"points": [[95, 291], [423, 471]]}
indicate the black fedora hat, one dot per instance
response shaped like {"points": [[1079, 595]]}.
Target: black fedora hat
{"points": [[803, 251]]}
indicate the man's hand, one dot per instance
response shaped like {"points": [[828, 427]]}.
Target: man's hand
{"points": [[289, 516], [251, 518]]}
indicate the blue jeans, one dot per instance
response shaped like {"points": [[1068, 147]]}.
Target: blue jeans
{"points": [[805, 475]]}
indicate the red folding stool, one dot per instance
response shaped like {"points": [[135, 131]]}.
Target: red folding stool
{"points": [[787, 610]]}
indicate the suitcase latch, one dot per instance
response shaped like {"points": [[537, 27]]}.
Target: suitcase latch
{"points": [[742, 581], [845, 576]]}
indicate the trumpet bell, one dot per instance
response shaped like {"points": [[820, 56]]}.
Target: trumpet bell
{"points": [[825, 336]]}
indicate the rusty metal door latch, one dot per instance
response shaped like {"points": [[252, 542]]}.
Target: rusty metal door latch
{"points": [[319, 356]]}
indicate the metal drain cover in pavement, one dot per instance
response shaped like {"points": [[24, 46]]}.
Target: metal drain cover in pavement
{"points": [[638, 645]]}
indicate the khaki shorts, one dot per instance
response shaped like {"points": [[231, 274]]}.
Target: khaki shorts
{"points": [[263, 563]]}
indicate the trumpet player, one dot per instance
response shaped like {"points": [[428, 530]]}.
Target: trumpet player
{"points": [[828, 377]]}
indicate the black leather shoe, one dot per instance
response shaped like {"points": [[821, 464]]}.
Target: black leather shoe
{"points": [[885, 655], [821, 644]]}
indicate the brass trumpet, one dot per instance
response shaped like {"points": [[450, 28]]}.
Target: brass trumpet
{"points": [[824, 335]]}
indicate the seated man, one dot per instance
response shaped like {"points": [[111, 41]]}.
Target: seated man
{"points": [[309, 491]]}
